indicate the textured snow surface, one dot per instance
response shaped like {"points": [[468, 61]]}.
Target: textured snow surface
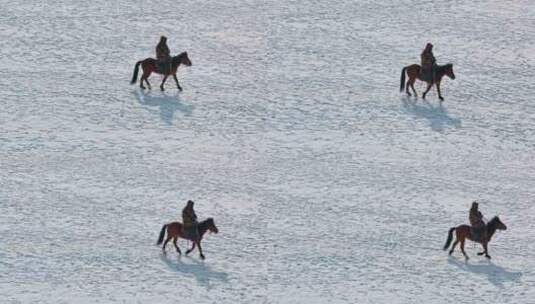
{"points": [[327, 185]]}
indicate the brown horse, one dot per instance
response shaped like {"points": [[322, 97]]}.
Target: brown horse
{"points": [[463, 232], [174, 231], [413, 71], [149, 66]]}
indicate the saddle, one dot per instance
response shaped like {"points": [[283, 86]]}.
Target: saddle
{"points": [[478, 233], [163, 66], [191, 232], [427, 74]]}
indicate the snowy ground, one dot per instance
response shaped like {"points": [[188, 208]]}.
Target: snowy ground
{"points": [[327, 185]]}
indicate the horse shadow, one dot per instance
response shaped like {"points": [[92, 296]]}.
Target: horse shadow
{"points": [[497, 275], [168, 104], [437, 115], [198, 269]]}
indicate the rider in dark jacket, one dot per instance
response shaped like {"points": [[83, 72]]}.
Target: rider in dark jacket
{"points": [[189, 221], [428, 63], [163, 54], [477, 222]]}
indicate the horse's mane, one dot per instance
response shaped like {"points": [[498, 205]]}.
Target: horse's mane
{"points": [[494, 219], [206, 221], [493, 223], [445, 66], [180, 55]]}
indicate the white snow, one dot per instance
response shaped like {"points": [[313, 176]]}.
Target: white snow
{"points": [[326, 183]]}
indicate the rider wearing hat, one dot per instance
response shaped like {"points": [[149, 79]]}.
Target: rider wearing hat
{"points": [[163, 54], [189, 221], [477, 222], [428, 63]]}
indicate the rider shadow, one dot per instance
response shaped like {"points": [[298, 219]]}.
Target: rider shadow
{"points": [[202, 273], [167, 104], [437, 115], [496, 275]]}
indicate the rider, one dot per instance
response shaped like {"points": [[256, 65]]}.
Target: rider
{"points": [[428, 63], [476, 221], [190, 224], [163, 54]]}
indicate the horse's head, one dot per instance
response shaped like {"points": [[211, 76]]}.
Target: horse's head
{"points": [[449, 71], [184, 59], [211, 225], [499, 224]]}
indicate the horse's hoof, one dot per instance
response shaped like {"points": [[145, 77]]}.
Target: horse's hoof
{"points": [[480, 253], [162, 89], [441, 98], [451, 252], [202, 257], [487, 256]]}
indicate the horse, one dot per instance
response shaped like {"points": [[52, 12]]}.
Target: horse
{"points": [[174, 231], [149, 66], [463, 232], [413, 71]]}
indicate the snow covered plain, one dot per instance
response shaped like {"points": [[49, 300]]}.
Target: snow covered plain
{"points": [[327, 185]]}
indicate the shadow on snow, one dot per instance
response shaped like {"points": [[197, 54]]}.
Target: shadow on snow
{"points": [[198, 269], [437, 115], [495, 274], [168, 104]]}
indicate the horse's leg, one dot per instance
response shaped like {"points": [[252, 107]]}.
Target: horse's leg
{"points": [[429, 86], [176, 246], [410, 83], [200, 250], [453, 247], [191, 249], [462, 249], [412, 87], [165, 243], [438, 90], [163, 82], [407, 86], [176, 81], [141, 81], [485, 245], [147, 81], [482, 252], [485, 250], [145, 78]]}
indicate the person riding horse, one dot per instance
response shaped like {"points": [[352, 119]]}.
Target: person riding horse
{"points": [[189, 222], [477, 222], [163, 55], [428, 64]]}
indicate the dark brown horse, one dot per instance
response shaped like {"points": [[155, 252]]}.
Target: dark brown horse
{"points": [[174, 231], [149, 66], [413, 71], [463, 232]]}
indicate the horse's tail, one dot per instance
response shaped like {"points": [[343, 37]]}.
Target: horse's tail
{"points": [[162, 234], [136, 71], [450, 238], [402, 85]]}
